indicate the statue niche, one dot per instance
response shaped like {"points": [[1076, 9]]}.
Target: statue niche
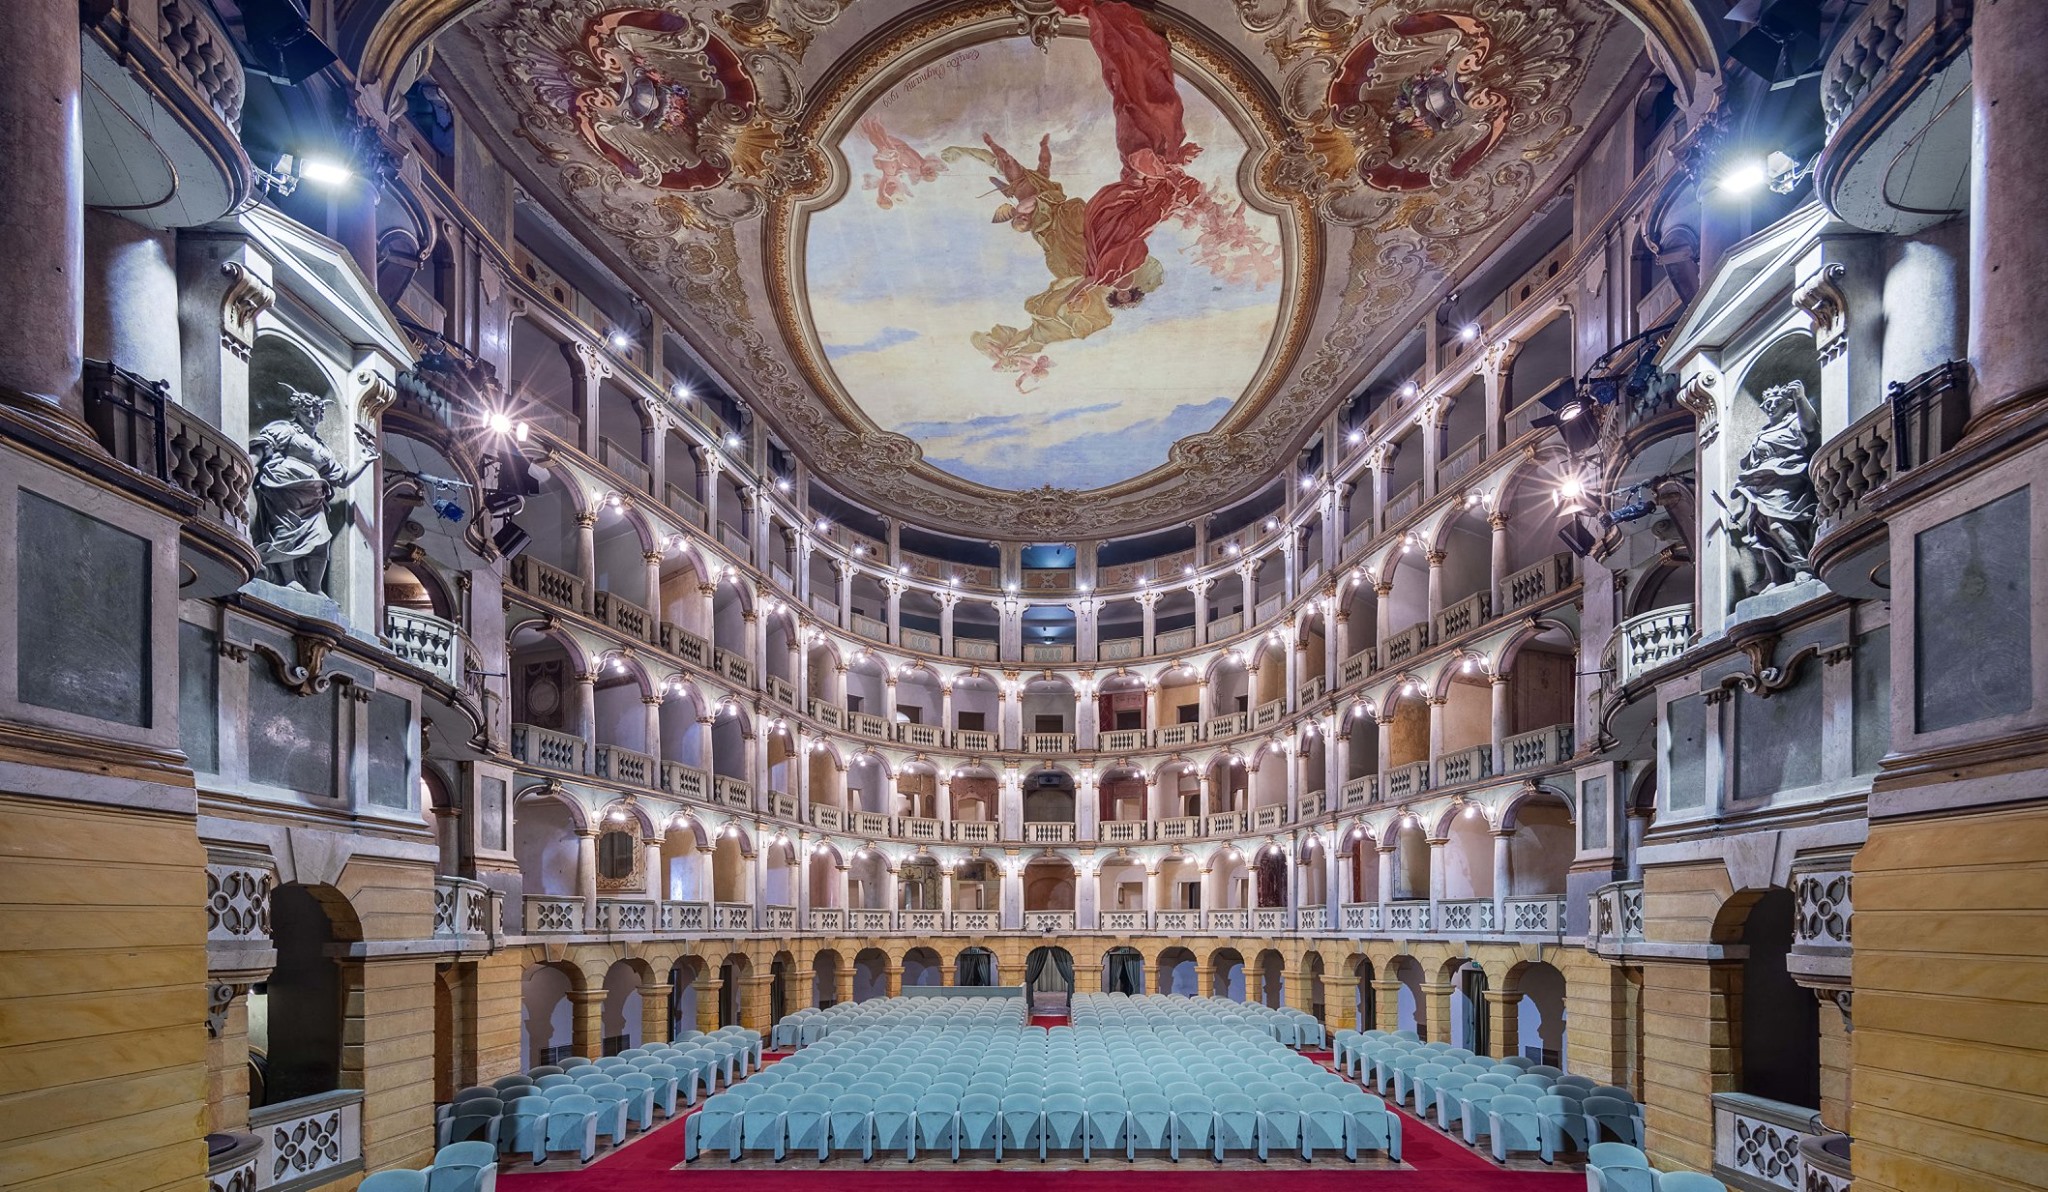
{"points": [[1771, 504], [297, 479]]}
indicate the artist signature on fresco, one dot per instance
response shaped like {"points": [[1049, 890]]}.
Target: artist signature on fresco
{"points": [[939, 70]]}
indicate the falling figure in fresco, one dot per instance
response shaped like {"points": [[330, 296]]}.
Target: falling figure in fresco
{"points": [[1098, 252], [1069, 307], [902, 166]]}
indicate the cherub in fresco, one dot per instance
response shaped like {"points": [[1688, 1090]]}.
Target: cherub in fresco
{"points": [[901, 165]]}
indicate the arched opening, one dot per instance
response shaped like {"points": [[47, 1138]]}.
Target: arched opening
{"points": [[922, 967], [1539, 1014], [781, 974], [825, 968], [684, 981], [296, 1013], [1409, 1013], [1048, 799], [1272, 979], [547, 1021], [621, 1018], [732, 977], [975, 968], [1123, 971], [1049, 884], [1468, 1009], [1049, 979], [870, 974], [1226, 974], [1177, 973], [1365, 1009], [1779, 1019]]}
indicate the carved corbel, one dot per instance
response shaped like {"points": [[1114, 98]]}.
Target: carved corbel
{"points": [[246, 297], [374, 394], [1697, 395], [301, 673], [1038, 20], [220, 997], [1763, 679], [1825, 303]]}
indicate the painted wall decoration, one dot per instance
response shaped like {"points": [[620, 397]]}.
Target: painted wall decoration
{"points": [[1045, 272]]}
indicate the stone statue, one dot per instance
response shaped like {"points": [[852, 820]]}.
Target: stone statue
{"points": [[1771, 504], [296, 481]]}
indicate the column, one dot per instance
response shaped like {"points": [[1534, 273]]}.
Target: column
{"points": [[1436, 1013], [1382, 589], [42, 232], [1013, 899], [708, 991], [1435, 559], [586, 1021], [893, 609], [654, 443], [652, 725], [653, 1013], [1383, 739], [1499, 565], [1205, 980], [586, 556], [845, 879], [842, 982], [1386, 852], [1386, 1004], [1503, 1020], [2008, 175], [650, 847], [1340, 1002], [1148, 603], [589, 368], [946, 602], [1437, 704], [1436, 881], [844, 572], [1295, 872], [1503, 876], [709, 465], [1499, 685], [1200, 588], [586, 875]]}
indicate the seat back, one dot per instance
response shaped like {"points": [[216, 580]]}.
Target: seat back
{"points": [[1689, 1181], [395, 1181]]}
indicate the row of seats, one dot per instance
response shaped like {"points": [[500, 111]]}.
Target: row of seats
{"points": [[1619, 1167], [460, 1167], [908, 1075], [569, 1106]]}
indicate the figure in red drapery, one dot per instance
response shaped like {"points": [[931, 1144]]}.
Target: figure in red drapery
{"points": [[1137, 67]]}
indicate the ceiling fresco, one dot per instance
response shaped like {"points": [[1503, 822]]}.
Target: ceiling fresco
{"points": [[1041, 268]]}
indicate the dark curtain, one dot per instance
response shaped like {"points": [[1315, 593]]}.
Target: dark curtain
{"points": [[1272, 882], [1034, 966], [1125, 972], [975, 968], [1476, 1026], [1062, 963]]}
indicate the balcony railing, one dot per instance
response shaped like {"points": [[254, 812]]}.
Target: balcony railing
{"points": [[1311, 805], [538, 746], [626, 916], [922, 922], [921, 736], [1229, 920], [1174, 641], [732, 916], [1123, 920], [1226, 626], [1468, 916], [781, 690], [919, 639], [733, 667], [551, 915], [977, 921], [685, 645], [462, 909], [1268, 920], [1917, 421], [732, 792], [1042, 653], [1176, 920], [1122, 831], [826, 918], [1118, 649], [1533, 916], [1355, 668], [970, 649], [1184, 827], [1312, 918], [1049, 742], [1463, 617], [1616, 918], [868, 823], [1048, 832], [832, 819], [976, 832], [1404, 645], [867, 724], [1312, 689], [309, 1141], [1361, 790], [862, 918], [1405, 782], [686, 916], [1123, 739], [1401, 505], [623, 615], [1460, 461], [1649, 640], [914, 827], [1049, 921], [624, 765], [685, 782], [1536, 583], [1268, 714], [1179, 734], [778, 918], [1225, 823], [976, 741], [626, 462], [429, 643], [829, 714], [546, 582], [1407, 917], [1546, 746], [1466, 765], [782, 805], [140, 426], [1230, 724], [1269, 817]]}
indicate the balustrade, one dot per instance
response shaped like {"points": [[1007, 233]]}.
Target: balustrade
{"points": [[969, 649], [1356, 668], [923, 922], [733, 792], [1119, 649], [686, 782], [1311, 805], [1467, 916], [1405, 782], [1360, 916], [1312, 918], [1545, 746], [733, 667], [538, 746], [1361, 790], [1408, 917], [867, 724], [685, 645], [1049, 742], [1123, 920], [1174, 641], [832, 819], [626, 463], [1466, 765], [782, 805], [1049, 922], [1267, 818], [1269, 920], [828, 714], [1226, 627], [1178, 734], [1226, 823], [974, 922], [1460, 461], [976, 832], [623, 615], [462, 908], [922, 736], [1230, 724], [1404, 645], [864, 918], [625, 916], [1536, 583], [546, 582], [1312, 689], [1462, 618], [1650, 640], [1268, 714], [549, 915], [427, 642], [1401, 505], [624, 765], [1048, 832], [1220, 921], [914, 827], [1167, 921], [1616, 916], [870, 628], [732, 916], [1185, 827], [919, 639], [686, 916], [684, 506], [976, 741], [1122, 831], [868, 823], [781, 690], [826, 918], [1122, 740], [1533, 916], [310, 1140], [778, 918]]}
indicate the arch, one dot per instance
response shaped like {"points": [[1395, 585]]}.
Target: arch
{"points": [[621, 1025], [922, 967], [1777, 1019], [1177, 970], [1123, 971], [1227, 974], [547, 1016], [1540, 1024], [975, 967], [825, 968]]}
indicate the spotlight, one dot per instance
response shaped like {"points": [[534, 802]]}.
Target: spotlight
{"points": [[1469, 332], [620, 341], [1744, 178], [1409, 390], [682, 392]]}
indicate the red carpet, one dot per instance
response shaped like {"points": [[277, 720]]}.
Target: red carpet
{"points": [[1441, 1165], [1049, 1021]]}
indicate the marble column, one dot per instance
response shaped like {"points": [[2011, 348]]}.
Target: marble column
{"points": [[2008, 176], [131, 310], [42, 230], [586, 876]]}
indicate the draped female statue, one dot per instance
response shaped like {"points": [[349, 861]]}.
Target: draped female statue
{"points": [[297, 477]]}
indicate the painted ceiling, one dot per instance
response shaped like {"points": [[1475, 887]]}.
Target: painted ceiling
{"points": [[1041, 268]]}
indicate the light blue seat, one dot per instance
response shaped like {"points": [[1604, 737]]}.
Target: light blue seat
{"points": [[1476, 1118], [1194, 1123], [666, 1081], [399, 1180], [1513, 1124], [555, 1080], [851, 1126], [540, 1070], [465, 1167], [1063, 1124], [571, 1125], [806, 1126], [1572, 1080], [1375, 1126], [1498, 1080], [516, 1080], [589, 1078], [936, 1123], [979, 1123], [1236, 1125], [615, 1104], [1428, 1078], [1531, 1087], [1108, 1124], [1023, 1123], [639, 1090], [473, 1120], [1689, 1181], [893, 1124], [1563, 1122], [762, 1125], [1325, 1126], [1605, 1115], [1569, 1092], [1618, 1167], [1518, 1061], [522, 1128], [1148, 1123], [714, 1127], [1279, 1123], [1550, 1070]]}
